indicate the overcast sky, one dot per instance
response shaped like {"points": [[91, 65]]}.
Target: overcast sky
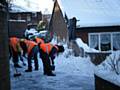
{"points": [[46, 6]]}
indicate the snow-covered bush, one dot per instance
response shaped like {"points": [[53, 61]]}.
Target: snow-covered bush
{"points": [[112, 62]]}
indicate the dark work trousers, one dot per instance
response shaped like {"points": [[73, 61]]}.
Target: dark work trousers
{"points": [[14, 56], [52, 55], [46, 62], [33, 54]]}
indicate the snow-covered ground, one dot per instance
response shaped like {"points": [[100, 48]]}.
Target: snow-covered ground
{"points": [[72, 73]]}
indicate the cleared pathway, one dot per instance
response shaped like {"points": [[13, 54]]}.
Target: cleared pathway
{"points": [[73, 73]]}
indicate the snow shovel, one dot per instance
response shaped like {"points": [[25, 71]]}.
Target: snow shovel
{"points": [[52, 64], [16, 74], [21, 58], [53, 67]]}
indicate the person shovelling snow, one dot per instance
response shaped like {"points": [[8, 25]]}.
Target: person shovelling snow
{"points": [[47, 54]]}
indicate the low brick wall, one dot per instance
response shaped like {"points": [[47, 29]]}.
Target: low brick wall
{"points": [[97, 57], [101, 84]]}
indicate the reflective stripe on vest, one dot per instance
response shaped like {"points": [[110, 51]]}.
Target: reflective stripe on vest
{"points": [[46, 47]]}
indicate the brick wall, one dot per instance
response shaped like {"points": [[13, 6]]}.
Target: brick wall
{"points": [[4, 61], [35, 17], [17, 28], [83, 32], [97, 57]]}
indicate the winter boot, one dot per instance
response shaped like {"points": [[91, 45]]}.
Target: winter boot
{"points": [[28, 70], [36, 69], [50, 74], [53, 68], [17, 66]]}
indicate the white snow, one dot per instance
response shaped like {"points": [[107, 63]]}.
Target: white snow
{"points": [[16, 8], [45, 6], [85, 46], [31, 33], [92, 12]]}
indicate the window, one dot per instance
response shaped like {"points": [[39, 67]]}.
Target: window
{"points": [[34, 14], [19, 17], [116, 41], [28, 17], [95, 42], [105, 41]]}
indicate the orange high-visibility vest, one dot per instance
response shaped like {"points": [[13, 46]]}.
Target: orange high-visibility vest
{"points": [[14, 42], [30, 44], [46, 47], [39, 40]]}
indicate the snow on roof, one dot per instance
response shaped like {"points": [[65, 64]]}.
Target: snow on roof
{"points": [[12, 20], [24, 6], [16, 8], [92, 12], [45, 6]]}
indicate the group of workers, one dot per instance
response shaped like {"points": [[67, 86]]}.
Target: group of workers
{"points": [[47, 51]]}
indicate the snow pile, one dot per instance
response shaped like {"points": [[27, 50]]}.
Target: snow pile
{"points": [[110, 68], [73, 65], [31, 33], [85, 46]]}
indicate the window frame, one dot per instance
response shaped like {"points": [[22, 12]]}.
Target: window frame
{"points": [[19, 17], [28, 18], [99, 38]]}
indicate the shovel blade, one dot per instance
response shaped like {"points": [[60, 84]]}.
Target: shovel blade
{"points": [[17, 74]]}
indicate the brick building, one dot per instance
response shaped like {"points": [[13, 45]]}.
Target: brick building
{"points": [[103, 38], [29, 17], [18, 22], [96, 25]]}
